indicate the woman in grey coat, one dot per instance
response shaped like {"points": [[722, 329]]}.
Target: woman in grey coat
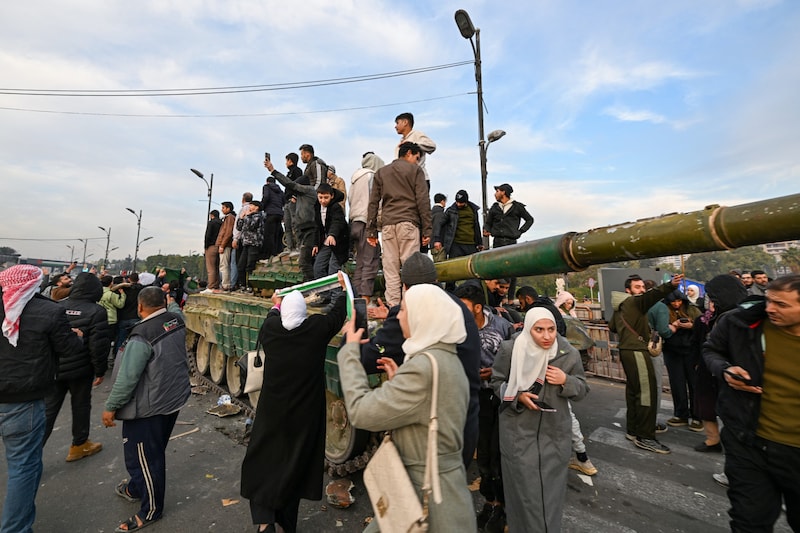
{"points": [[431, 322], [535, 442]]}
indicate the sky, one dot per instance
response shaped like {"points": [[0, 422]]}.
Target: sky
{"points": [[614, 110]]}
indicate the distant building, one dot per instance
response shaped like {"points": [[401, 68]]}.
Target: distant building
{"points": [[777, 248]]}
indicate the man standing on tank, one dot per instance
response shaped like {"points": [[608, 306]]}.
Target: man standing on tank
{"points": [[406, 214]]}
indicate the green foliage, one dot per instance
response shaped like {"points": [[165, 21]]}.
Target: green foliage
{"points": [[705, 266], [791, 259], [6, 250]]}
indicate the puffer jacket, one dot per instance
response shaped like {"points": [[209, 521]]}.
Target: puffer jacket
{"points": [[28, 371], [83, 312]]}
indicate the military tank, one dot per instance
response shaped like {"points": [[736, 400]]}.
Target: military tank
{"points": [[223, 327]]}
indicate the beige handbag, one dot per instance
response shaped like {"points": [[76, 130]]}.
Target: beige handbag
{"points": [[255, 370], [395, 501]]}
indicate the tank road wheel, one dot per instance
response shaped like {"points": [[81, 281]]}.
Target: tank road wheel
{"points": [[342, 440], [253, 396], [232, 377], [216, 364], [201, 354]]}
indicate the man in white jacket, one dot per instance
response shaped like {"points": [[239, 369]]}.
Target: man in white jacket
{"points": [[404, 126]]}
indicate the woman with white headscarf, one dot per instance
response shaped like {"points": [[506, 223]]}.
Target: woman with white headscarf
{"points": [[284, 461], [535, 445], [431, 322]]}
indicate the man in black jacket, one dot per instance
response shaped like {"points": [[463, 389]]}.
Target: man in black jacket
{"points": [[331, 241], [503, 221], [35, 335], [753, 352], [80, 372], [211, 250]]}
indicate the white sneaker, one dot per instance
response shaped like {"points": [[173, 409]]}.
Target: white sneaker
{"points": [[722, 479]]}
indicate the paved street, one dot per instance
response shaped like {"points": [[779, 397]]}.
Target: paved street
{"points": [[635, 491]]}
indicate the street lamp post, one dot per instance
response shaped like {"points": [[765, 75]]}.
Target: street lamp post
{"points": [[85, 242], [468, 31], [71, 252], [138, 231], [108, 243], [210, 187]]}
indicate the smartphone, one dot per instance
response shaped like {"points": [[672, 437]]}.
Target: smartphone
{"points": [[544, 406], [683, 320], [267, 156], [360, 307], [738, 377]]}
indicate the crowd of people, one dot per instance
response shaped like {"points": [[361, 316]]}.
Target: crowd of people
{"points": [[511, 371]]}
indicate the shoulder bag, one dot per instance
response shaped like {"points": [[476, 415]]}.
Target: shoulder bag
{"points": [[253, 364], [395, 501], [654, 345]]}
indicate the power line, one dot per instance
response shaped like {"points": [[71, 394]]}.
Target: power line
{"points": [[227, 90], [54, 239], [232, 115]]}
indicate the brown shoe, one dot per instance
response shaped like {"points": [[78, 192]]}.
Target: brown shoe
{"points": [[84, 450]]}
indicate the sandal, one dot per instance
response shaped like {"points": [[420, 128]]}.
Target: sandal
{"points": [[121, 490], [132, 524]]}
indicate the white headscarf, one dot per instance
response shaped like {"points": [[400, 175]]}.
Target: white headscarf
{"points": [[528, 359], [293, 310], [693, 299], [433, 317]]}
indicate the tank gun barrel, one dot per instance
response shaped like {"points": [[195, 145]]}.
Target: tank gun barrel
{"points": [[713, 228]]}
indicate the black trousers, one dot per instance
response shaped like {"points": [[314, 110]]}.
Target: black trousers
{"points": [[489, 447], [759, 475], [246, 259], [145, 443], [273, 236], [80, 391], [285, 516]]}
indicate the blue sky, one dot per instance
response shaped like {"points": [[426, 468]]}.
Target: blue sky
{"points": [[614, 110]]}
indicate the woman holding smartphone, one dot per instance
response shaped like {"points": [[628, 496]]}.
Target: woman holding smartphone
{"points": [[535, 374]]}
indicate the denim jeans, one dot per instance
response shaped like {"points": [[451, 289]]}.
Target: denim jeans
{"points": [[22, 428]]}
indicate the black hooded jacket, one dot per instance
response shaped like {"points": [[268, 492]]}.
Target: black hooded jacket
{"points": [[736, 341], [85, 314]]}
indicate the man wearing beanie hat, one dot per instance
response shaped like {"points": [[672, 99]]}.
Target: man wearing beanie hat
{"points": [[35, 336], [388, 342]]}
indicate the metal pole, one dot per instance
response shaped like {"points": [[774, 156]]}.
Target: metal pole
{"points": [[108, 243], [85, 242], [482, 142]]}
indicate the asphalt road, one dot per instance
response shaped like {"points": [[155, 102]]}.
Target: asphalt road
{"points": [[634, 491]]}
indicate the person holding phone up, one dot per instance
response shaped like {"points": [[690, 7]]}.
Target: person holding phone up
{"points": [[535, 374]]}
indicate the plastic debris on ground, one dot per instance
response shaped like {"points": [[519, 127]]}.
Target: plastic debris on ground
{"points": [[338, 493]]}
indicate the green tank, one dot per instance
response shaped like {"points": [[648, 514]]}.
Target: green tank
{"points": [[225, 326]]}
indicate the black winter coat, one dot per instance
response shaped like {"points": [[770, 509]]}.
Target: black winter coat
{"points": [[272, 199], [28, 371], [85, 314], [736, 341], [212, 231], [335, 225], [506, 225], [446, 231]]}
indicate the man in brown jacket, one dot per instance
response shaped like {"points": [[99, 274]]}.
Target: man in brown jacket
{"points": [[225, 242], [405, 214]]}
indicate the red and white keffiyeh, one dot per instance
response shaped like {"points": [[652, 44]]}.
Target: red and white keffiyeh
{"points": [[19, 284]]}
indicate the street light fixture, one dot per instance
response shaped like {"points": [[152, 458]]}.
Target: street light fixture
{"points": [[108, 243], [210, 187], [85, 242], [138, 232], [71, 251], [468, 31]]}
